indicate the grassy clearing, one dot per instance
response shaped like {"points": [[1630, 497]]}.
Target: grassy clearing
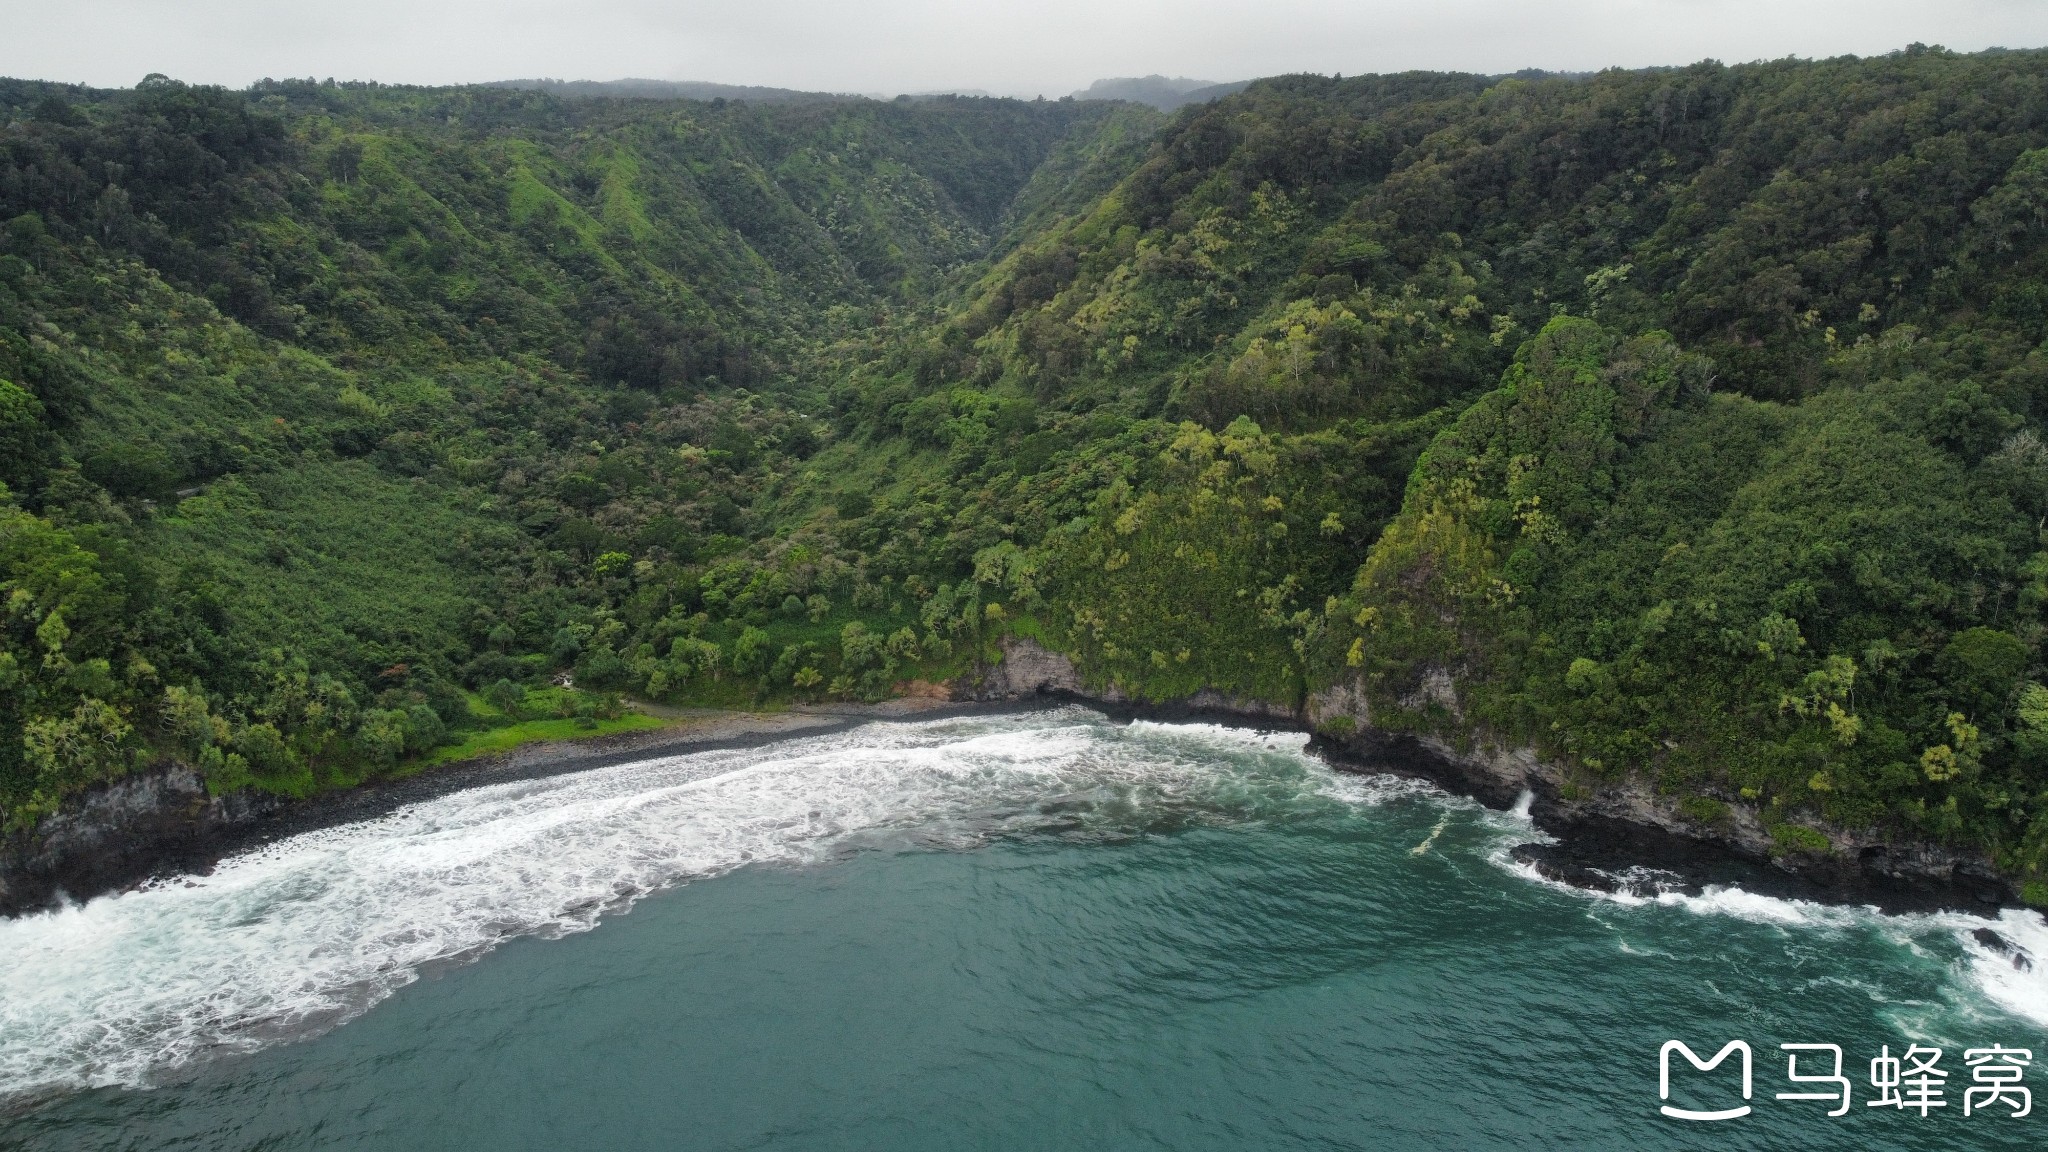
{"points": [[504, 739]]}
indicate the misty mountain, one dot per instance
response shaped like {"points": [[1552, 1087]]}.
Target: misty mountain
{"points": [[673, 90], [1161, 92]]}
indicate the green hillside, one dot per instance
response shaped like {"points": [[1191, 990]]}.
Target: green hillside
{"points": [[1679, 422]]}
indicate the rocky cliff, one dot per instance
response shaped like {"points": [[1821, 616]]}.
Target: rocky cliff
{"points": [[160, 819], [1594, 833]]}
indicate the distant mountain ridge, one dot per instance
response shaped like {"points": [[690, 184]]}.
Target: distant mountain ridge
{"points": [[674, 90], [1161, 92]]}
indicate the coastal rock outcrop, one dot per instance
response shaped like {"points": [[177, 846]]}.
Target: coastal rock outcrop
{"points": [[1026, 669], [158, 818], [1598, 833]]}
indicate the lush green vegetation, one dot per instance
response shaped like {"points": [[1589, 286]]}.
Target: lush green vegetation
{"points": [[517, 715], [322, 404], [1678, 422]]}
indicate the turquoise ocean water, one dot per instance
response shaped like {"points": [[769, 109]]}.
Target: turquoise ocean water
{"points": [[1033, 931]]}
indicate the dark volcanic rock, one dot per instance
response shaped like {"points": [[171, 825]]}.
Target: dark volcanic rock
{"points": [[1621, 838], [159, 819], [1625, 842], [1560, 863], [2006, 948]]}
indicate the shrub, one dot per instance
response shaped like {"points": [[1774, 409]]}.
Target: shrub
{"points": [[1706, 810], [506, 697], [1790, 839]]}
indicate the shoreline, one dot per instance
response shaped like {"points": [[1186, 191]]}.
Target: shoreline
{"points": [[153, 835], [716, 731], [159, 823], [1599, 851], [1616, 842]]}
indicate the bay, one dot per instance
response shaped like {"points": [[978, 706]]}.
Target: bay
{"points": [[1042, 930]]}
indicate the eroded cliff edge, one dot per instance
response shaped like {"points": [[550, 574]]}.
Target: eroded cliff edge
{"points": [[1606, 835]]}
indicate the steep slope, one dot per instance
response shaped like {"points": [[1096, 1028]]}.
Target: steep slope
{"points": [[1681, 425], [1785, 556], [316, 396]]}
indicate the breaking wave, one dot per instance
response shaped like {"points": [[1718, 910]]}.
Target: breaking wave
{"points": [[285, 942], [301, 935], [2004, 960]]}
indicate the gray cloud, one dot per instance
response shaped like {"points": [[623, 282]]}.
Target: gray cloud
{"points": [[1021, 47]]}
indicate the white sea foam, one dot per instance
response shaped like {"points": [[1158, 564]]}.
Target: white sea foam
{"points": [[2021, 989], [296, 937], [1211, 736], [315, 929], [1521, 809], [1739, 904], [2018, 989], [1365, 791]]}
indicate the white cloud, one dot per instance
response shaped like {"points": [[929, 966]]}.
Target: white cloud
{"points": [[1013, 46]]}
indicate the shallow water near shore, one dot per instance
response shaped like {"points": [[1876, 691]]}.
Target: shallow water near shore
{"points": [[1040, 930]]}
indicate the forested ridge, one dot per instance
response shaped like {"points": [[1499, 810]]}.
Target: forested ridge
{"points": [[1683, 423]]}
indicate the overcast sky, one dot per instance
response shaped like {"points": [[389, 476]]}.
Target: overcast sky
{"points": [[1012, 47]]}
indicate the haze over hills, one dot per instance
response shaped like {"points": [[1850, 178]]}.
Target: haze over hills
{"points": [[672, 90], [1160, 92], [1682, 425]]}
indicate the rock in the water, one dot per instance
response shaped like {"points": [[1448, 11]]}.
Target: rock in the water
{"points": [[2003, 947]]}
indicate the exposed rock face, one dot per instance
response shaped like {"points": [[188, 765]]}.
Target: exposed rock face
{"points": [[1609, 834], [151, 819], [1027, 670], [1338, 707], [1209, 701], [1622, 834], [1436, 689]]}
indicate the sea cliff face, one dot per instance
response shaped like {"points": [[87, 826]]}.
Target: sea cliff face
{"points": [[155, 820], [1611, 835]]}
